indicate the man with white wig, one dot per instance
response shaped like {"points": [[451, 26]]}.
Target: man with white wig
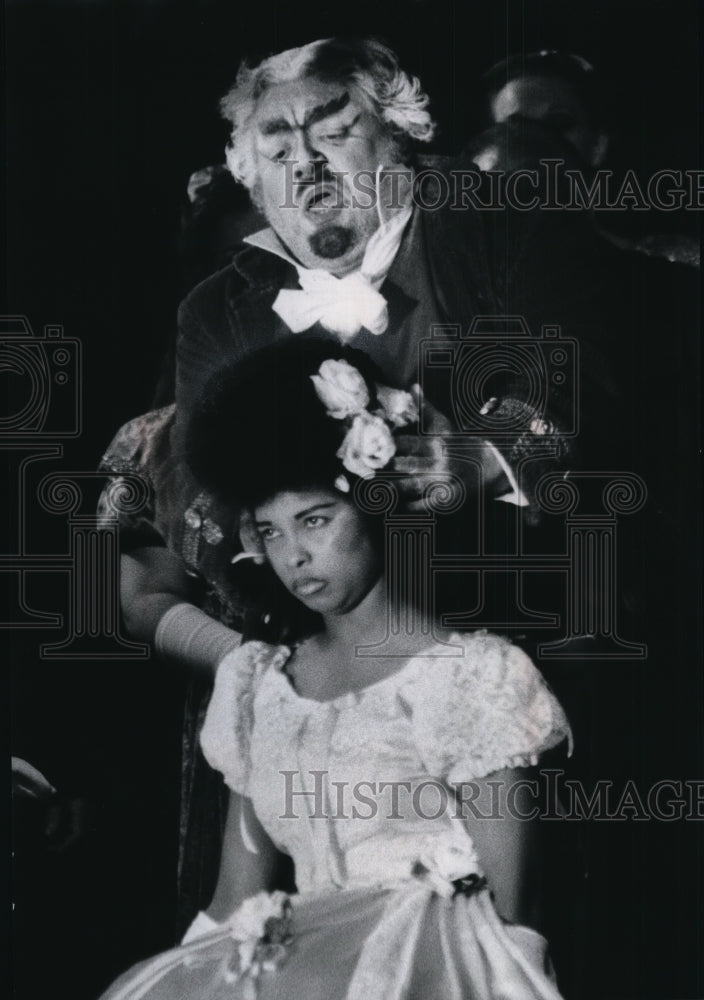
{"points": [[366, 239]]}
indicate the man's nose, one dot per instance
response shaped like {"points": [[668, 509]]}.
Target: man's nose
{"points": [[310, 162]]}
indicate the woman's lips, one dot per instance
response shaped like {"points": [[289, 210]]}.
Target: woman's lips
{"points": [[308, 587]]}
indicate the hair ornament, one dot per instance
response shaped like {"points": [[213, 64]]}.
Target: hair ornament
{"points": [[368, 445]]}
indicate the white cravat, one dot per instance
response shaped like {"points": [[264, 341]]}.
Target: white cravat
{"points": [[341, 305]]}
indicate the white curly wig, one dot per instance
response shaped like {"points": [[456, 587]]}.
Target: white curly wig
{"points": [[365, 64]]}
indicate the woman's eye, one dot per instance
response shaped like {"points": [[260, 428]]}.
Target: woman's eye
{"points": [[316, 520], [266, 534]]}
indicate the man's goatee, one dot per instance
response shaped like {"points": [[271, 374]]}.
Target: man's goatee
{"points": [[331, 242]]}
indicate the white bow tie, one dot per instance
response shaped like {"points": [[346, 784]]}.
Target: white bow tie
{"points": [[341, 305]]}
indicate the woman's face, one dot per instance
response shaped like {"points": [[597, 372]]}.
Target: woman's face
{"points": [[319, 546]]}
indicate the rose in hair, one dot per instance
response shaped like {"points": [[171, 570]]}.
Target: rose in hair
{"points": [[368, 445], [341, 389]]}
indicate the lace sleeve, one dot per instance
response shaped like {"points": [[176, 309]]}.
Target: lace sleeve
{"points": [[482, 712], [227, 729], [136, 451]]}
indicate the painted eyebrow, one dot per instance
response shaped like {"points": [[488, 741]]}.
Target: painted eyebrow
{"points": [[303, 513], [323, 111], [276, 126], [310, 510]]}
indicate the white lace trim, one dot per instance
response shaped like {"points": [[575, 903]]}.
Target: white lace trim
{"points": [[469, 715]]}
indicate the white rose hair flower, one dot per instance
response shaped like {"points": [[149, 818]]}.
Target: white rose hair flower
{"points": [[341, 389], [368, 445]]}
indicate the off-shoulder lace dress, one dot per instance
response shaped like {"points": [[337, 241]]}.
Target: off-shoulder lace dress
{"points": [[362, 791]]}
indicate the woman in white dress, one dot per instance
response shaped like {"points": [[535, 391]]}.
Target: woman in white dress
{"points": [[401, 785]]}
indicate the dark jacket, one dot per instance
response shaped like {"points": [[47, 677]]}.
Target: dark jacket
{"points": [[455, 264]]}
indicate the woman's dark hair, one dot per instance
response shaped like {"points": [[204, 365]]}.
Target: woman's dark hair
{"points": [[260, 429]]}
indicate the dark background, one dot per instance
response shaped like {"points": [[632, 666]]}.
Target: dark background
{"points": [[110, 107]]}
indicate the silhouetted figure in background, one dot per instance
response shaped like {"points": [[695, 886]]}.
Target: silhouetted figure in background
{"points": [[552, 104]]}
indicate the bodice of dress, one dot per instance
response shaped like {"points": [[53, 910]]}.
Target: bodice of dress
{"points": [[359, 789]]}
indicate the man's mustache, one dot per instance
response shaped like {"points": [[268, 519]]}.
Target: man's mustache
{"points": [[323, 186]]}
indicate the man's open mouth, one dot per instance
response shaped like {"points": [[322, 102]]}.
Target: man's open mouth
{"points": [[320, 199]]}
